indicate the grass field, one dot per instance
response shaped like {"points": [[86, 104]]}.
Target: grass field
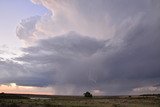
{"points": [[79, 101]]}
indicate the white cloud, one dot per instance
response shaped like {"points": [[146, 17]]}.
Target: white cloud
{"points": [[147, 89]]}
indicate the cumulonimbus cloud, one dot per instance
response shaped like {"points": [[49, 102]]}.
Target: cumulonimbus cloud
{"points": [[119, 53]]}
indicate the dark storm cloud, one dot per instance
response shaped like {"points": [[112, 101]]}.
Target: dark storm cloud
{"points": [[64, 56], [81, 63], [12, 72], [73, 63]]}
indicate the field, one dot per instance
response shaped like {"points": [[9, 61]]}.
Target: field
{"points": [[80, 101]]}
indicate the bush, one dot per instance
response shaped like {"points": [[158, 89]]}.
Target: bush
{"points": [[88, 94]]}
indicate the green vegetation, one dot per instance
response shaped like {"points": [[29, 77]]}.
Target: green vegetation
{"points": [[80, 101]]}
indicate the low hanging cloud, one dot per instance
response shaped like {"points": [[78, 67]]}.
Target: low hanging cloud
{"points": [[106, 46]]}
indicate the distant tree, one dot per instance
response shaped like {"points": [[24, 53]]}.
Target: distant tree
{"points": [[87, 94]]}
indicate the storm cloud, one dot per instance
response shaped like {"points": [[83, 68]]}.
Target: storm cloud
{"points": [[104, 46]]}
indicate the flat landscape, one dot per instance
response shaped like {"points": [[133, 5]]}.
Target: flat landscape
{"points": [[79, 101]]}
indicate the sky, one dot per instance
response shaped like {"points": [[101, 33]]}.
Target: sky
{"points": [[68, 47]]}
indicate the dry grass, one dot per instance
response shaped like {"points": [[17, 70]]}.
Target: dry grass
{"points": [[72, 101]]}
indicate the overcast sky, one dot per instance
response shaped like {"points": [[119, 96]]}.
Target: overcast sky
{"points": [[67, 47]]}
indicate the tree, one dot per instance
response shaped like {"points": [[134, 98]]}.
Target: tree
{"points": [[87, 94]]}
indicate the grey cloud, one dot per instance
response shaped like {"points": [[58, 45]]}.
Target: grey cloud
{"points": [[80, 63], [63, 56], [26, 29], [77, 63], [13, 72], [72, 63]]}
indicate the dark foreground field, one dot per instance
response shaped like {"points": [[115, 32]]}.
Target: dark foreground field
{"points": [[79, 101]]}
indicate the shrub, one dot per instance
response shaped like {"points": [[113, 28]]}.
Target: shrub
{"points": [[88, 94]]}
